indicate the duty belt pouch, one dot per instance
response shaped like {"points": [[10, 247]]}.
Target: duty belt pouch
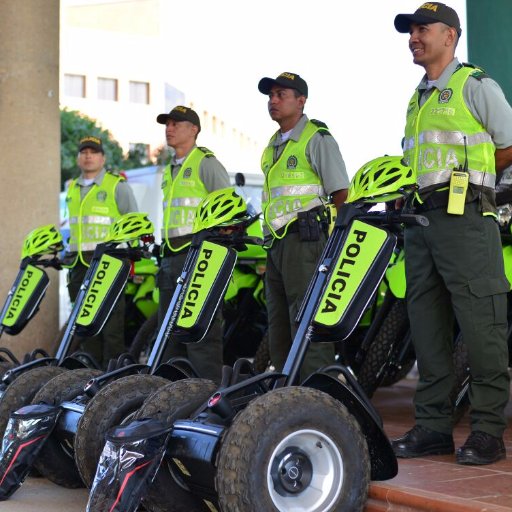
{"points": [[27, 430], [309, 227], [127, 466]]}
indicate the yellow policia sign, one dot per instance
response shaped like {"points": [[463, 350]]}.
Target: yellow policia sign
{"points": [[26, 287], [361, 247], [104, 277], [209, 263]]}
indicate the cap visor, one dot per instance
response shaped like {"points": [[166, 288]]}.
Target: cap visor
{"points": [[403, 21], [266, 84], [162, 118]]}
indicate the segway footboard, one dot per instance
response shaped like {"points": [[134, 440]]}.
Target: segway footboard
{"points": [[356, 269], [24, 298]]}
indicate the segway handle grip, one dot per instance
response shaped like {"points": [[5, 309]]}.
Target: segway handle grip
{"points": [[412, 219]]}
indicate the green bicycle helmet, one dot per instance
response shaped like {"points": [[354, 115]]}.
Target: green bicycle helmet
{"points": [[382, 179], [43, 240], [129, 227], [220, 208]]}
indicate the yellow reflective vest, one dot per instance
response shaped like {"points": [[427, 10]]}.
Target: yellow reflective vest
{"points": [[182, 196], [440, 133], [291, 184], [90, 218]]}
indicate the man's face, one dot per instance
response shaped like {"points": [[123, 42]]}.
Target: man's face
{"points": [[283, 104], [430, 43], [180, 133], [90, 161]]}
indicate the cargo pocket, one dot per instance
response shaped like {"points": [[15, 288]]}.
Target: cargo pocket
{"points": [[494, 289]]}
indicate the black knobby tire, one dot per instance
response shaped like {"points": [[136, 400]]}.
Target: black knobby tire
{"points": [[23, 389], [175, 401], [262, 357], [289, 429], [4, 366], [462, 376], [391, 335], [145, 337], [112, 405], [55, 460]]}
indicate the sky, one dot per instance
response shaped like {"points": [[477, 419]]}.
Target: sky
{"points": [[358, 67]]}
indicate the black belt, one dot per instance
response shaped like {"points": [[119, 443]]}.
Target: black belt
{"points": [[433, 201]]}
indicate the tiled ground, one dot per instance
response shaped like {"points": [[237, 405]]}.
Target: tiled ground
{"points": [[437, 483]]}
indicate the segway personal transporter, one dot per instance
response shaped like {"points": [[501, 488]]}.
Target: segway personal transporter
{"points": [[100, 290], [39, 251], [266, 443], [87, 410]]}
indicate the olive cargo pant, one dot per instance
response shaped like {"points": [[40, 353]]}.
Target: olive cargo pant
{"points": [[109, 342], [205, 356], [291, 265], [455, 267]]}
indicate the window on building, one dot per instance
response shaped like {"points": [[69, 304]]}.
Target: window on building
{"points": [[74, 85], [139, 92], [107, 89]]}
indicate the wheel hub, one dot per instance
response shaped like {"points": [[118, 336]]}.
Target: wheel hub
{"points": [[292, 471]]}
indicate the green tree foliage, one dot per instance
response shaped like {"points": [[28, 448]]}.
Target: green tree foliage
{"points": [[74, 126]]}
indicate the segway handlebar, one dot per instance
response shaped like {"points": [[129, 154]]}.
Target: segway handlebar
{"points": [[395, 217]]}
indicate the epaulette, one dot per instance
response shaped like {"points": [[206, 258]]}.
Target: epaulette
{"points": [[117, 173], [320, 124], [208, 152], [479, 73]]}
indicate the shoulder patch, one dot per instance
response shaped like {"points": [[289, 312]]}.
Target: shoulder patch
{"points": [[324, 129], [206, 151], [479, 74]]}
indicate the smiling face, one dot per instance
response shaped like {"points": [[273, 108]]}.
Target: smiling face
{"points": [[432, 46]]}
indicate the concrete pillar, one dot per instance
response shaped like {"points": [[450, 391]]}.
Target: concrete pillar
{"points": [[30, 149]]}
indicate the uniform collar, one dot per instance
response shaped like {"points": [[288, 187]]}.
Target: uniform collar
{"points": [[443, 80], [296, 132], [174, 161], [97, 179]]}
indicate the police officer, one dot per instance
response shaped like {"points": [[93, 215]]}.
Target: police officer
{"points": [[191, 175], [94, 201], [303, 167], [457, 120]]}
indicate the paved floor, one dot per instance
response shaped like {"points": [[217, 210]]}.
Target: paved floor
{"points": [[438, 484], [430, 484]]}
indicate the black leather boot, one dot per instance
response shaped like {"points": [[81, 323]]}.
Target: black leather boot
{"points": [[420, 441], [481, 448]]}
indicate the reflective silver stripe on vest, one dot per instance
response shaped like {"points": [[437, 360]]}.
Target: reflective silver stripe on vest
{"points": [[90, 246], [282, 221], [294, 190], [92, 219], [452, 138], [482, 179], [183, 201], [174, 232]]}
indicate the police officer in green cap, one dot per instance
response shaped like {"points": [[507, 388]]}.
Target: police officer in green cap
{"points": [[191, 175], [304, 171], [458, 137], [95, 200]]}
